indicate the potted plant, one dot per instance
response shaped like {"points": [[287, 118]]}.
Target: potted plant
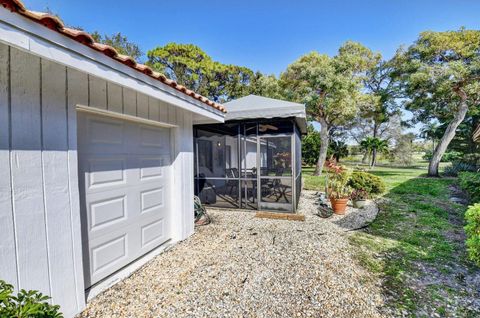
{"points": [[338, 189], [359, 198]]}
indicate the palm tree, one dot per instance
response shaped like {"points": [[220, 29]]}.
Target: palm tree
{"points": [[430, 132], [366, 146], [337, 149], [378, 145], [374, 145]]}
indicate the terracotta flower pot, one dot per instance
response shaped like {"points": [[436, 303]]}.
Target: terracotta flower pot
{"points": [[339, 206]]}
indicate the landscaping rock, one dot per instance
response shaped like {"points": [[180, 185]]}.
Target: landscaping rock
{"points": [[242, 266]]}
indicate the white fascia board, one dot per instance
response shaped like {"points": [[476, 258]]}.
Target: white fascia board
{"points": [[27, 35], [265, 113]]}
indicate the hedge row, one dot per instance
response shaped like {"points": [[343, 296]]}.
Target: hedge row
{"points": [[470, 182]]}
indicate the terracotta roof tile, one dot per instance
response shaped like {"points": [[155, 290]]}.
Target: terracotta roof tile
{"points": [[125, 59], [105, 49], [54, 23], [144, 69], [79, 36]]}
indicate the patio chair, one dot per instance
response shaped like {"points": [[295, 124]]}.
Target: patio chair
{"points": [[275, 186], [232, 181]]}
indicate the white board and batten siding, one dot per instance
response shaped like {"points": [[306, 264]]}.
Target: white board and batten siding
{"points": [[40, 221]]}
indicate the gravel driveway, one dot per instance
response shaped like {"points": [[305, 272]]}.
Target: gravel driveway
{"points": [[242, 266]]}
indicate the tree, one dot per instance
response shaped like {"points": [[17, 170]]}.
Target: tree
{"points": [[373, 146], [266, 85], [430, 132], [189, 65], [402, 153], [366, 147], [463, 141], [379, 113], [380, 103], [337, 150], [329, 87], [311, 146], [120, 43], [239, 81], [186, 64], [440, 77]]}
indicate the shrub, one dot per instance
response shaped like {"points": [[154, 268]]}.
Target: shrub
{"points": [[361, 180], [472, 158], [456, 167], [447, 157], [470, 182], [472, 229], [27, 304]]}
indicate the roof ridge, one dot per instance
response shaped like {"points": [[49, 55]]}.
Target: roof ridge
{"points": [[56, 24], [262, 97]]}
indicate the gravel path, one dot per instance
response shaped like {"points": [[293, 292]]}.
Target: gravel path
{"points": [[242, 266]]}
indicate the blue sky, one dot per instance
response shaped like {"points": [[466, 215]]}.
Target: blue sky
{"points": [[266, 35]]}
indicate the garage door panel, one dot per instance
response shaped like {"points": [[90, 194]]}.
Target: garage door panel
{"points": [[105, 212], [109, 252], [152, 140], [105, 172], [103, 135], [110, 172], [153, 233], [109, 210], [125, 177], [152, 199], [153, 167]]}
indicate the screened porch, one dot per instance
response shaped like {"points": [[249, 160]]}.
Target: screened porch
{"points": [[253, 160], [249, 165]]}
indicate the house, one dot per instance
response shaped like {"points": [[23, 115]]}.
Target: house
{"points": [[253, 160], [96, 157]]}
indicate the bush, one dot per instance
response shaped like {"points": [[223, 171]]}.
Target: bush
{"points": [[361, 180], [447, 157], [470, 182], [472, 229], [456, 167], [472, 159], [27, 304], [311, 146]]}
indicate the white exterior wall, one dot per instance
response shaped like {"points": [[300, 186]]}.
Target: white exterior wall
{"points": [[40, 234]]}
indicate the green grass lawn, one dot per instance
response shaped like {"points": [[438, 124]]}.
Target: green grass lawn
{"points": [[392, 176], [411, 240]]}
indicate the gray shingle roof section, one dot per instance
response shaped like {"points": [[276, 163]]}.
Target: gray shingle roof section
{"points": [[253, 106]]}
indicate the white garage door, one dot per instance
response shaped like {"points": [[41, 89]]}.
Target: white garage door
{"points": [[124, 171]]}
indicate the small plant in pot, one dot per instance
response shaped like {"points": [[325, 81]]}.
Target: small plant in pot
{"points": [[338, 190], [359, 198]]}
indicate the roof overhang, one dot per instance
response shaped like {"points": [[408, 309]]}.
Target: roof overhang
{"points": [[26, 35], [254, 107]]}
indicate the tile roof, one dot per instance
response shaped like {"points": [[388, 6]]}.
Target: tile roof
{"points": [[476, 134], [54, 23]]}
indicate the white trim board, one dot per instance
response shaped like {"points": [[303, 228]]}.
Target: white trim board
{"points": [[20, 32], [102, 112]]}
